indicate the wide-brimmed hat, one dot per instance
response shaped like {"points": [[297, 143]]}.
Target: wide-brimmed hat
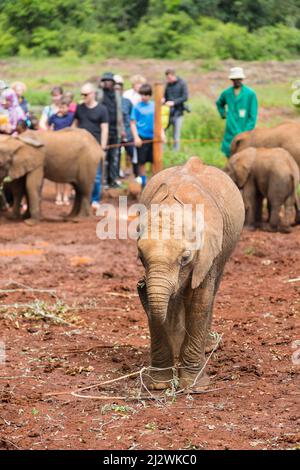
{"points": [[236, 73], [107, 76]]}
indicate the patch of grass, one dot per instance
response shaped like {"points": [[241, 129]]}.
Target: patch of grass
{"points": [[122, 409], [57, 313], [202, 134], [275, 95], [250, 251]]}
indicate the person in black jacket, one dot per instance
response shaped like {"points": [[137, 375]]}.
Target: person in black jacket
{"points": [[111, 99], [176, 94]]}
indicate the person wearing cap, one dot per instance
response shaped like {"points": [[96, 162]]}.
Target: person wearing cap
{"points": [[111, 99], [238, 105]]}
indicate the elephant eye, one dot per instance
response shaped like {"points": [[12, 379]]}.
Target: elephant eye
{"points": [[186, 257]]}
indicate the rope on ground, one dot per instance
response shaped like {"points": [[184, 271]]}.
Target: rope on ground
{"points": [[143, 370]]}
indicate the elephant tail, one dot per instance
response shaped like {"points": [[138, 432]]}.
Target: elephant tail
{"points": [[296, 181]]}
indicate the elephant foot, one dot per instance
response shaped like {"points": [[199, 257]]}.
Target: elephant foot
{"points": [[213, 338], [31, 222], [79, 217], [285, 229], [191, 381], [250, 228], [75, 220], [269, 228], [159, 385], [159, 379]]}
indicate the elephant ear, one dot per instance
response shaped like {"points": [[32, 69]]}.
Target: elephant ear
{"points": [[242, 165], [212, 229], [24, 160], [155, 194], [158, 186], [237, 143], [31, 139]]}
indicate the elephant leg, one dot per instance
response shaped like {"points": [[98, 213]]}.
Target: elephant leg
{"points": [[76, 204], [274, 216], [250, 200], [162, 359], [18, 190], [33, 185], [269, 210], [258, 210], [297, 218], [289, 213], [197, 324], [84, 205], [213, 337]]}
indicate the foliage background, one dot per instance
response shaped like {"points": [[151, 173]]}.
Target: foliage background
{"points": [[187, 29]]}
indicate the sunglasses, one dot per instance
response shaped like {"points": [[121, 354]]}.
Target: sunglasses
{"points": [[85, 94]]}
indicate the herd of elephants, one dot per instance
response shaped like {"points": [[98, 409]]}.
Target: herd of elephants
{"points": [[181, 280]]}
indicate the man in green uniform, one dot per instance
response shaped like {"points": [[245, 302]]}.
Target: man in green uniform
{"points": [[238, 105]]}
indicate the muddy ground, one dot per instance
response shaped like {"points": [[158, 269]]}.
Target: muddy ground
{"points": [[70, 318]]}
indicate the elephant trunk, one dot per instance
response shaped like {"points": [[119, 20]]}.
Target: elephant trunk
{"points": [[159, 291]]}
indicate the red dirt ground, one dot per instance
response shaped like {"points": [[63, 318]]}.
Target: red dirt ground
{"points": [[252, 401]]}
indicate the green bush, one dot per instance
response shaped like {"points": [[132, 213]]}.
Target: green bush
{"points": [[159, 36], [202, 134], [37, 97], [167, 29], [8, 42]]}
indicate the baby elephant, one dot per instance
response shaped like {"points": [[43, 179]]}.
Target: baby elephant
{"points": [[266, 173], [183, 267]]}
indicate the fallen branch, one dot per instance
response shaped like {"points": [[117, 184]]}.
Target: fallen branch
{"points": [[100, 384], [9, 291], [127, 296], [97, 346], [296, 279], [7, 441], [24, 287]]}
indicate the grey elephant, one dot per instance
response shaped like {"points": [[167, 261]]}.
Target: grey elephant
{"points": [[269, 173], [182, 277], [67, 156]]}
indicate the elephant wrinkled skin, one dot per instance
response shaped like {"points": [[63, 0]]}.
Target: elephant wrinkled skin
{"points": [[181, 280], [266, 173]]}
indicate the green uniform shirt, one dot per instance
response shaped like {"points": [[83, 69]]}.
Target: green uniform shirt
{"points": [[240, 112]]}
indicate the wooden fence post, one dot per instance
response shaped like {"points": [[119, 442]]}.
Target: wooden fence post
{"points": [[158, 145]]}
